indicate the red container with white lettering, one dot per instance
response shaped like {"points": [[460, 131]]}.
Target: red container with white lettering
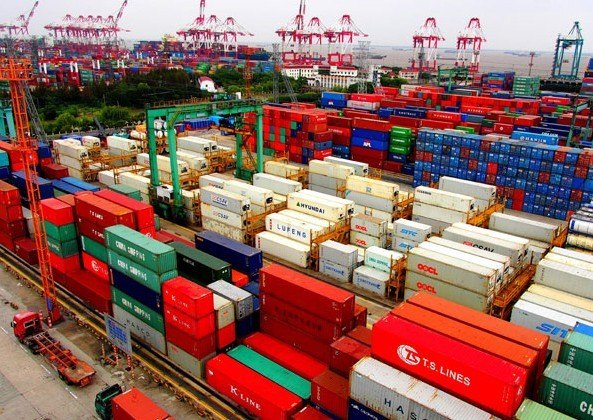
{"points": [[314, 296], [91, 230], [196, 328], [9, 194], [56, 212], [194, 300], [226, 336], [102, 212], [330, 391], [477, 377], [285, 355], [149, 231], [257, 394], [143, 213], [95, 266], [346, 352], [197, 348]]}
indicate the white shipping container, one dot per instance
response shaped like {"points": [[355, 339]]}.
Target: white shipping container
{"points": [[388, 205], [408, 229], [502, 259], [373, 280], [258, 196], [500, 235], [277, 184], [71, 149], [580, 241], [336, 271], [368, 211], [227, 217], [346, 255], [522, 227], [514, 251], [163, 163], [241, 299], [395, 394], [225, 199], [419, 283], [365, 241], [126, 145], [448, 200], [75, 173], [312, 220], [381, 259], [577, 255], [29, 219], [535, 253], [374, 187], [331, 170], [196, 144], [312, 206], [70, 162], [468, 275], [369, 225], [333, 192], [280, 169], [567, 278], [403, 245], [560, 296], [348, 204], [473, 189], [439, 213], [91, 142], [106, 177], [293, 229], [581, 226], [557, 305], [326, 182], [360, 168], [212, 181], [286, 249], [231, 232], [193, 162], [437, 225], [224, 310], [569, 261], [186, 361], [140, 329], [136, 181]]}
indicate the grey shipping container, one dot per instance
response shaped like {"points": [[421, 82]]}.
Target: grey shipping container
{"points": [[242, 300], [523, 227], [371, 279], [224, 199], [383, 204], [141, 330], [567, 278], [345, 255], [336, 271]]}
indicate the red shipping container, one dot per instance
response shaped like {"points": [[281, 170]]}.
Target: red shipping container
{"points": [[323, 136], [64, 265], [258, 395], [506, 129], [95, 266], [441, 125], [16, 229], [68, 199], [360, 315], [374, 155], [191, 298], [7, 241], [54, 171], [361, 334], [91, 230], [391, 166], [330, 391], [239, 279], [453, 117], [26, 249], [178, 238], [57, 212], [11, 213], [163, 237], [9, 194], [149, 231], [197, 328], [103, 212], [320, 154], [197, 348], [346, 352], [225, 336], [404, 121], [372, 124], [310, 413], [302, 320], [335, 121], [134, 405], [143, 213], [14, 155], [312, 295], [298, 339], [285, 355], [92, 291], [483, 380]]}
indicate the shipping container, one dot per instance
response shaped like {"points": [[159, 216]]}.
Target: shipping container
{"points": [[336, 271], [577, 351], [280, 169], [141, 330], [138, 272], [381, 259], [56, 212], [560, 296], [447, 216], [336, 252], [375, 281], [198, 348], [292, 229], [524, 228], [64, 249], [199, 266], [310, 413], [194, 300], [369, 211], [570, 253], [360, 168], [143, 213], [277, 184], [330, 392], [211, 181], [387, 205], [325, 224], [313, 206], [559, 305], [364, 241], [368, 225], [473, 189], [451, 201], [330, 170], [394, 394], [186, 361], [281, 247], [530, 410], [196, 144], [134, 405], [346, 352], [243, 257], [347, 204], [567, 390], [196, 328], [374, 187], [566, 278], [62, 233], [407, 229], [227, 200], [139, 310], [257, 196], [258, 395], [102, 212], [142, 294], [242, 300], [224, 310]]}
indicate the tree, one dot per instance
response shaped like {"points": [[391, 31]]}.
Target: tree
{"points": [[354, 87], [65, 122], [114, 116]]}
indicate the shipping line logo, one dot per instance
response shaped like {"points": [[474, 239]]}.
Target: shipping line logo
{"points": [[408, 354]]}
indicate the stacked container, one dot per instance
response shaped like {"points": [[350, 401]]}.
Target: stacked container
{"points": [[484, 194], [376, 273], [244, 306], [189, 324], [71, 154], [12, 221], [261, 199], [4, 165], [360, 168], [119, 146], [224, 212], [526, 85], [18, 179], [133, 180], [328, 178], [408, 234], [400, 145], [370, 141], [440, 209], [226, 332], [337, 260], [143, 213], [580, 228], [366, 231], [341, 127], [373, 197], [145, 264]]}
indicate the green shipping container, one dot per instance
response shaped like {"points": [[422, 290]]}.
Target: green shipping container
{"points": [[138, 272], [269, 152], [469, 130], [63, 249], [140, 311], [293, 125], [199, 266], [400, 142], [401, 132], [4, 158], [94, 248], [60, 233], [567, 390], [58, 193], [272, 370], [530, 410], [577, 352], [152, 254], [272, 137], [125, 190], [399, 150]]}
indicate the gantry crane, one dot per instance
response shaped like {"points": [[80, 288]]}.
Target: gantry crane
{"points": [[562, 54], [17, 72]]}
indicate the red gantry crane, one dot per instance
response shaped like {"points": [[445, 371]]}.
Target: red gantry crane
{"points": [[343, 38], [469, 45], [21, 26], [426, 42], [17, 72]]}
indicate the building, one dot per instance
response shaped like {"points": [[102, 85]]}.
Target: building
{"points": [[207, 84]]}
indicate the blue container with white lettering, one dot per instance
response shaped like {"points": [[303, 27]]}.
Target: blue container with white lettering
{"points": [[137, 291], [370, 143]]}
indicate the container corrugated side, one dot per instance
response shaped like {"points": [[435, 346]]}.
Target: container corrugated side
{"points": [[372, 186], [360, 168], [523, 227], [473, 189], [559, 306], [439, 213], [140, 311], [577, 351], [242, 300], [277, 184], [141, 330], [283, 248], [395, 394], [448, 200], [566, 278], [530, 410], [567, 390], [564, 297], [417, 232], [138, 272]]}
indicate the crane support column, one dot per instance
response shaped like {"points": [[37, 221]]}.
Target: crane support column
{"points": [[260, 141]]}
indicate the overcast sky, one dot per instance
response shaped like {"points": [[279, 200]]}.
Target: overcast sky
{"points": [[507, 24]]}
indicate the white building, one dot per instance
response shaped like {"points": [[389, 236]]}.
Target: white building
{"points": [[324, 76], [207, 84]]}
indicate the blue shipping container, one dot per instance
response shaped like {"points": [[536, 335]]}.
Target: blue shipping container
{"points": [[65, 187], [369, 143], [45, 187], [137, 291], [85, 186], [243, 258]]}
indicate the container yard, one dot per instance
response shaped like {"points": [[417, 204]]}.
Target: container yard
{"points": [[372, 244]]}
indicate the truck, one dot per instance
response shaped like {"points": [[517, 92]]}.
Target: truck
{"points": [[113, 403], [28, 329]]}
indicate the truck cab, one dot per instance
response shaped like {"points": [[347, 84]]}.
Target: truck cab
{"points": [[26, 324], [103, 405]]}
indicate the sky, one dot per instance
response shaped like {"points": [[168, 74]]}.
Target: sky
{"points": [[508, 24]]}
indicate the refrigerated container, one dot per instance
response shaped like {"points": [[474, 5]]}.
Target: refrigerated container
{"points": [[293, 229], [330, 170], [121, 144], [224, 310], [227, 217], [336, 271], [368, 211], [473, 189], [404, 245], [369, 225], [277, 184], [283, 248], [163, 163], [347, 204], [502, 259], [256, 195], [570, 253], [211, 181], [560, 296], [381, 259], [196, 144], [313, 206], [325, 184], [407, 229], [280, 169], [371, 279], [388, 205], [223, 199], [365, 241], [523, 227], [360, 168], [437, 225], [193, 160], [448, 200], [439, 213], [345, 255], [370, 186], [241, 299], [566, 278]]}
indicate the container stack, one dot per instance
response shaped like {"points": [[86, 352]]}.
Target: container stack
{"points": [[283, 170], [341, 127], [226, 333], [71, 154], [526, 85], [163, 165], [189, 324], [334, 100], [328, 178], [119, 146], [498, 80], [440, 209], [144, 264], [260, 199], [484, 194], [197, 145], [337, 260], [12, 221], [126, 190], [408, 234], [144, 221], [61, 234], [360, 168], [4, 165], [224, 212], [502, 358], [14, 156], [367, 231], [400, 147], [244, 304], [376, 273], [560, 297], [18, 180], [373, 197], [198, 266], [370, 141], [279, 185], [580, 228]]}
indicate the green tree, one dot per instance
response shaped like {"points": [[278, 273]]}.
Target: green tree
{"points": [[65, 122], [114, 116]]}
